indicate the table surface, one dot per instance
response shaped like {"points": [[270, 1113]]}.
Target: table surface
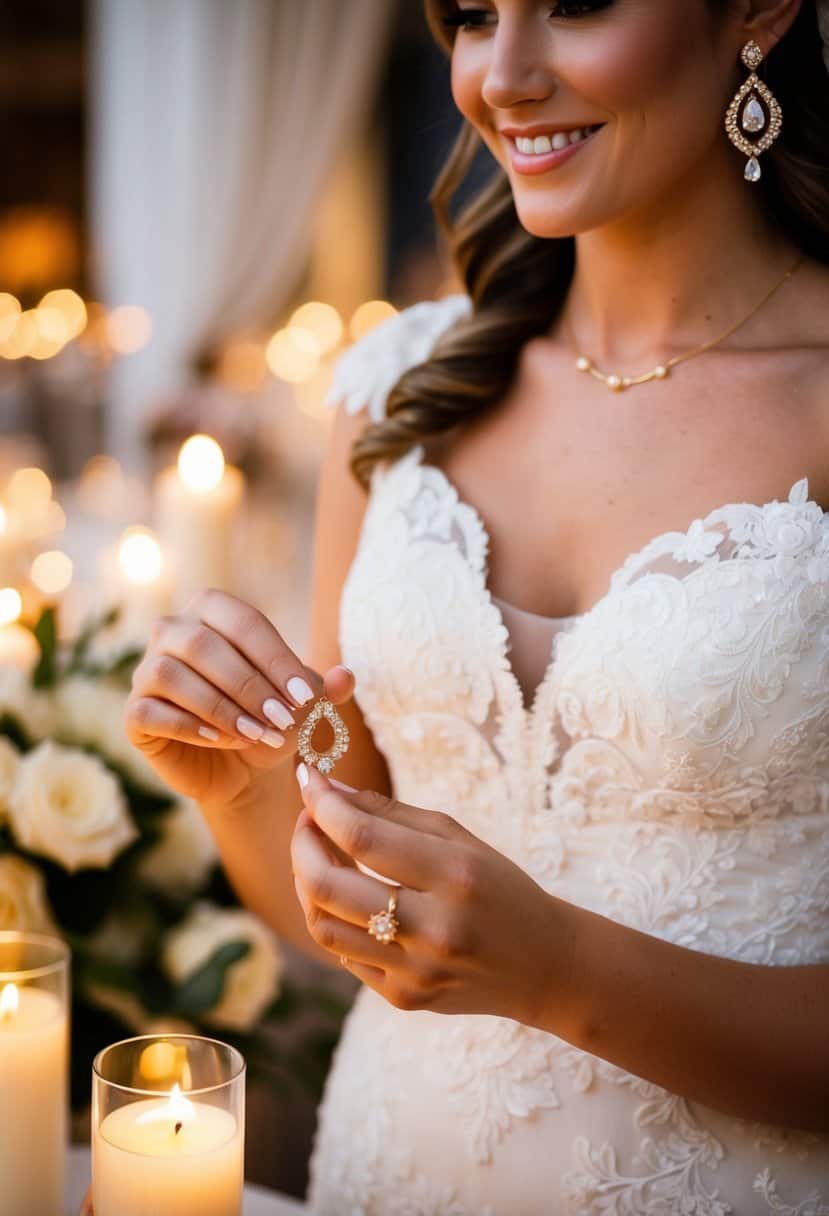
{"points": [[257, 1201]]}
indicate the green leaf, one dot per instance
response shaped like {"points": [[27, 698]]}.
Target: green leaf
{"points": [[45, 630], [203, 989]]}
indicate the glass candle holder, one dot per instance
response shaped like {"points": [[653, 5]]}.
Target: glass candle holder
{"points": [[34, 1072], [168, 1127]]}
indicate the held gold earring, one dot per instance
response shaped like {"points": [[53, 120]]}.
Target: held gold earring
{"points": [[324, 761], [754, 118]]}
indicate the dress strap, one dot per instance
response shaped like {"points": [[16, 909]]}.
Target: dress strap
{"points": [[366, 372]]}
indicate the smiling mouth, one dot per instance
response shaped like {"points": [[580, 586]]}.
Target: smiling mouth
{"points": [[540, 145]]}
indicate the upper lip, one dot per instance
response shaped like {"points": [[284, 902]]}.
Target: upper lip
{"points": [[546, 129]]}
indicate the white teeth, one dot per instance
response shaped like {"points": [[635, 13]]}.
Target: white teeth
{"points": [[544, 143]]}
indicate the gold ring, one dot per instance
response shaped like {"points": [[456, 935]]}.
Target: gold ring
{"points": [[323, 761], [384, 925]]}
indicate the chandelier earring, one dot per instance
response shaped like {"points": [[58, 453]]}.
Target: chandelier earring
{"points": [[754, 118]]}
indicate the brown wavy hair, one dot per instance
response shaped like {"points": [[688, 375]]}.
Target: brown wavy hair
{"points": [[517, 281]]}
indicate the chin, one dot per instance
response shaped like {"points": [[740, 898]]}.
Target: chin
{"points": [[544, 218]]}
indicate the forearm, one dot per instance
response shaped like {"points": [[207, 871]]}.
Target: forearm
{"points": [[253, 835], [745, 1039]]}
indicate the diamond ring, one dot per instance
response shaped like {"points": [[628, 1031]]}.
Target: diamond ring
{"points": [[384, 925]]}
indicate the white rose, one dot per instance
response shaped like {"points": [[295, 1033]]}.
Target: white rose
{"points": [[250, 984], [33, 709], [68, 806], [23, 903], [91, 713], [185, 854], [791, 528], [9, 759]]}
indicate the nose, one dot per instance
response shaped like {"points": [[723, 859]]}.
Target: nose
{"points": [[516, 71]]}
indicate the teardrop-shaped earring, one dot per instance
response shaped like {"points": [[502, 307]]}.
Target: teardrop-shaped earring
{"points": [[754, 111]]}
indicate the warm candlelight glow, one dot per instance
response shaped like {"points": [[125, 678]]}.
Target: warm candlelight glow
{"points": [[201, 463], [139, 556], [52, 572], [9, 1002], [368, 315], [71, 308], [324, 322], [11, 605], [29, 491], [293, 354], [177, 1111]]}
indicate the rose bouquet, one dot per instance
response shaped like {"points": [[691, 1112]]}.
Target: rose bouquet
{"points": [[94, 848]]}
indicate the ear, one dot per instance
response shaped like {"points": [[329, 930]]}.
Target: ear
{"points": [[768, 21]]}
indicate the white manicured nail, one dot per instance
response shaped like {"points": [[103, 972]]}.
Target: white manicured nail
{"points": [[278, 713], [299, 690], [207, 732], [249, 728], [273, 738], [302, 775]]}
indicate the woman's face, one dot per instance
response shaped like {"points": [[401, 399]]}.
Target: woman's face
{"points": [[656, 74]]}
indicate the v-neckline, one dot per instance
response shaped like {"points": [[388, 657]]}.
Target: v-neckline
{"points": [[529, 711]]}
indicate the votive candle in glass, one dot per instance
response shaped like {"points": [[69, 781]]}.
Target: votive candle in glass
{"points": [[168, 1116]]}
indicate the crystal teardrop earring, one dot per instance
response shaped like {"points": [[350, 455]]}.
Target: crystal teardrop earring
{"points": [[754, 112]]}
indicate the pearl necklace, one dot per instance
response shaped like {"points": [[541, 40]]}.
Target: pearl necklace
{"points": [[617, 383]]}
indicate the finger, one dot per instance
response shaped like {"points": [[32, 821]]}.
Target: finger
{"points": [[150, 717], [342, 890], [372, 976], [170, 679], [338, 684], [433, 823], [413, 858], [356, 943], [248, 629], [217, 661]]}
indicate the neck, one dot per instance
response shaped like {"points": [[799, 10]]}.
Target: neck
{"points": [[652, 284]]}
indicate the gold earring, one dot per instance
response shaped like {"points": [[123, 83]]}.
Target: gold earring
{"points": [[754, 111], [324, 761]]}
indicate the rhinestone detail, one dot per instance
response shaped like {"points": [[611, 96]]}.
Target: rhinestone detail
{"points": [[323, 761]]}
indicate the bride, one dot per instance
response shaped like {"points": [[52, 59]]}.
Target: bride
{"points": [[570, 543]]}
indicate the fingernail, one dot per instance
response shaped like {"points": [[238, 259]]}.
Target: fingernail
{"points": [[302, 775], [250, 729], [347, 670], [207, 732], [278, 713], [273, 738], [341, 785], [299, 690]]}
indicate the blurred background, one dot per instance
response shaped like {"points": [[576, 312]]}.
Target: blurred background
{"points": [[204, 203]]}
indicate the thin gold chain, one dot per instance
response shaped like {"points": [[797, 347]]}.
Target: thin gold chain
{"points": [[660, 372]]}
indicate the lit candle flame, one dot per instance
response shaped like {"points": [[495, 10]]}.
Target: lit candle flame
{"points": [[140, 556], [201, 463], [9, 1002], [177, 1111]]}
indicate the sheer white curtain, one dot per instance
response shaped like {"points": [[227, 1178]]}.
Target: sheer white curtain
{"points": [[214, 124]]}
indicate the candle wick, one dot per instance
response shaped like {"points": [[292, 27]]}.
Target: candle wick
{"points": [[179, 1126]]}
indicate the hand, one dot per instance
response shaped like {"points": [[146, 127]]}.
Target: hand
{"points": [[202, 693], [477, 934]]}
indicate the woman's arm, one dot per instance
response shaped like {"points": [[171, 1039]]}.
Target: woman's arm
{"points": [[746, 1039], [254, 833]]}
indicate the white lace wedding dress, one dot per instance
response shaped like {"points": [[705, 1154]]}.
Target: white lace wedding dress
{"points": [[671, 773]]}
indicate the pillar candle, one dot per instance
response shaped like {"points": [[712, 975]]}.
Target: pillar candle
{"points": [[33, 1100]]}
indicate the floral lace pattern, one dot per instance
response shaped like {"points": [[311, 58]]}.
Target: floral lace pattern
{"points": [[671, 773]]}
